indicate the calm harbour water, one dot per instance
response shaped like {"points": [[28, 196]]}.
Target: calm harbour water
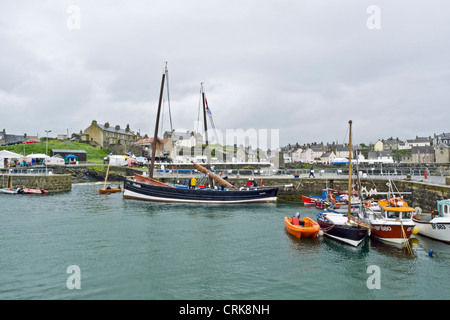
{"points": [[128, 249]]}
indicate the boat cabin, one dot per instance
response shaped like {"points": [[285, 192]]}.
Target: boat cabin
{"points": [[443, 207], [396, 209], [397, 214]]}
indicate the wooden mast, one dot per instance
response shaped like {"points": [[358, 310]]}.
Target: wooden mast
{"points": [[349, 171], [208, 154], [107, 172], [155, 136]]}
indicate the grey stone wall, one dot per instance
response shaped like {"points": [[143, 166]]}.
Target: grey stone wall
{"points": [[52, 183]]}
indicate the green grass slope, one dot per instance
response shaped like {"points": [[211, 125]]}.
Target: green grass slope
{"points": [[93, 154]]}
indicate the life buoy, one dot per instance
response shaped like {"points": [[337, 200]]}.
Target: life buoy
{"points": [[338, 205], [396, 202], [367, 204]]}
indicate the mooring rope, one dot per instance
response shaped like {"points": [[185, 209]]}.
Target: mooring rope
{"points": [[407, 245]]}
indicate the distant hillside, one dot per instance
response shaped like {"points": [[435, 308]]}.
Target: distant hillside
{"points": [[94, 155]]}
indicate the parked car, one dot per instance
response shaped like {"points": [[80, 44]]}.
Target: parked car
{"points": [[30, 141]]}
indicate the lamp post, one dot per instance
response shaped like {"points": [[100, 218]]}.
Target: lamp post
{"points": [[46, 147], [46, 150]]}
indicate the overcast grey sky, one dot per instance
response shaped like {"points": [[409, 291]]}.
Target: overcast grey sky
{"points": [[303, 67]]}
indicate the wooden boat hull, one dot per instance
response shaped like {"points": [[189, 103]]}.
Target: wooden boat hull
{"points": [[349, 234], [112, 190], [150, 192], [437, 228], [310, 229]]}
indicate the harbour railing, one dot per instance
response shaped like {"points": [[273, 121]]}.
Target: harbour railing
{"points": [[33, 171]]}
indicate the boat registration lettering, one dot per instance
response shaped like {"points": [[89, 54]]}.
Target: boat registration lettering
{"points": [[136, 185], [438, 226], [383, 228]]}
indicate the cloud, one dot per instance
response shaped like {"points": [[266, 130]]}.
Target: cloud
{"points": [[305, 68]]}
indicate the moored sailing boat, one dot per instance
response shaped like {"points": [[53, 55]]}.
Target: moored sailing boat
{"points": [[345, 228], [106, 190], [149, 189]]}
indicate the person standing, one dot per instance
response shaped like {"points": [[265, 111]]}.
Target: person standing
{"points": [[311, 172], [193, 183]]}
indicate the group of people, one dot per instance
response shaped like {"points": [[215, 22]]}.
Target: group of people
{"points": [[192, 183], [252, 183]]}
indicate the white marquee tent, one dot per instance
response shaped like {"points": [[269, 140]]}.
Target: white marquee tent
{"points": [[6, 156]]}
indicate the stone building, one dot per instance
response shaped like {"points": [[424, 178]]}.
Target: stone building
{"points": [[423, 154], [104, 135], [441, 138], [147, 144], [442, 153]]}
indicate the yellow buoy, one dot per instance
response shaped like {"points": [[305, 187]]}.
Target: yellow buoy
{"points": [[415, 230]]}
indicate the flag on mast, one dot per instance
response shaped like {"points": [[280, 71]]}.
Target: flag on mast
{"points": [[207, 108]]}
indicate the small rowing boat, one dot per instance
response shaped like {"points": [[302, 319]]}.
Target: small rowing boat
{"points": [[110, 190], [302, 228]]}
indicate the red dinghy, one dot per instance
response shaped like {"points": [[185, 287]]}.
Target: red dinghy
{"points": [[34, 191]]}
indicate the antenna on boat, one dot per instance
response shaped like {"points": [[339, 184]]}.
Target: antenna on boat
{"points": [[155, 136]]}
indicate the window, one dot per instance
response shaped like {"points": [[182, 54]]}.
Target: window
{"points": [[392, 214], [406, 215]]}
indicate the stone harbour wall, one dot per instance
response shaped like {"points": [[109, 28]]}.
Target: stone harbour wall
{"points": [[51, 183], [422, 195]]}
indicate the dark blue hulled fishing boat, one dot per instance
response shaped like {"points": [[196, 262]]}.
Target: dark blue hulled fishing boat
{"points": [[149, 189], [172, 193]]}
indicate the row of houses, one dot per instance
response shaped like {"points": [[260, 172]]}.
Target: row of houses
{"points": [[397, 144], [418, 150], [181, 145]]}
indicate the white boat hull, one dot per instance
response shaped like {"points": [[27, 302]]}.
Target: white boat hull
{"points": [[437, 228], [9, 191]]}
